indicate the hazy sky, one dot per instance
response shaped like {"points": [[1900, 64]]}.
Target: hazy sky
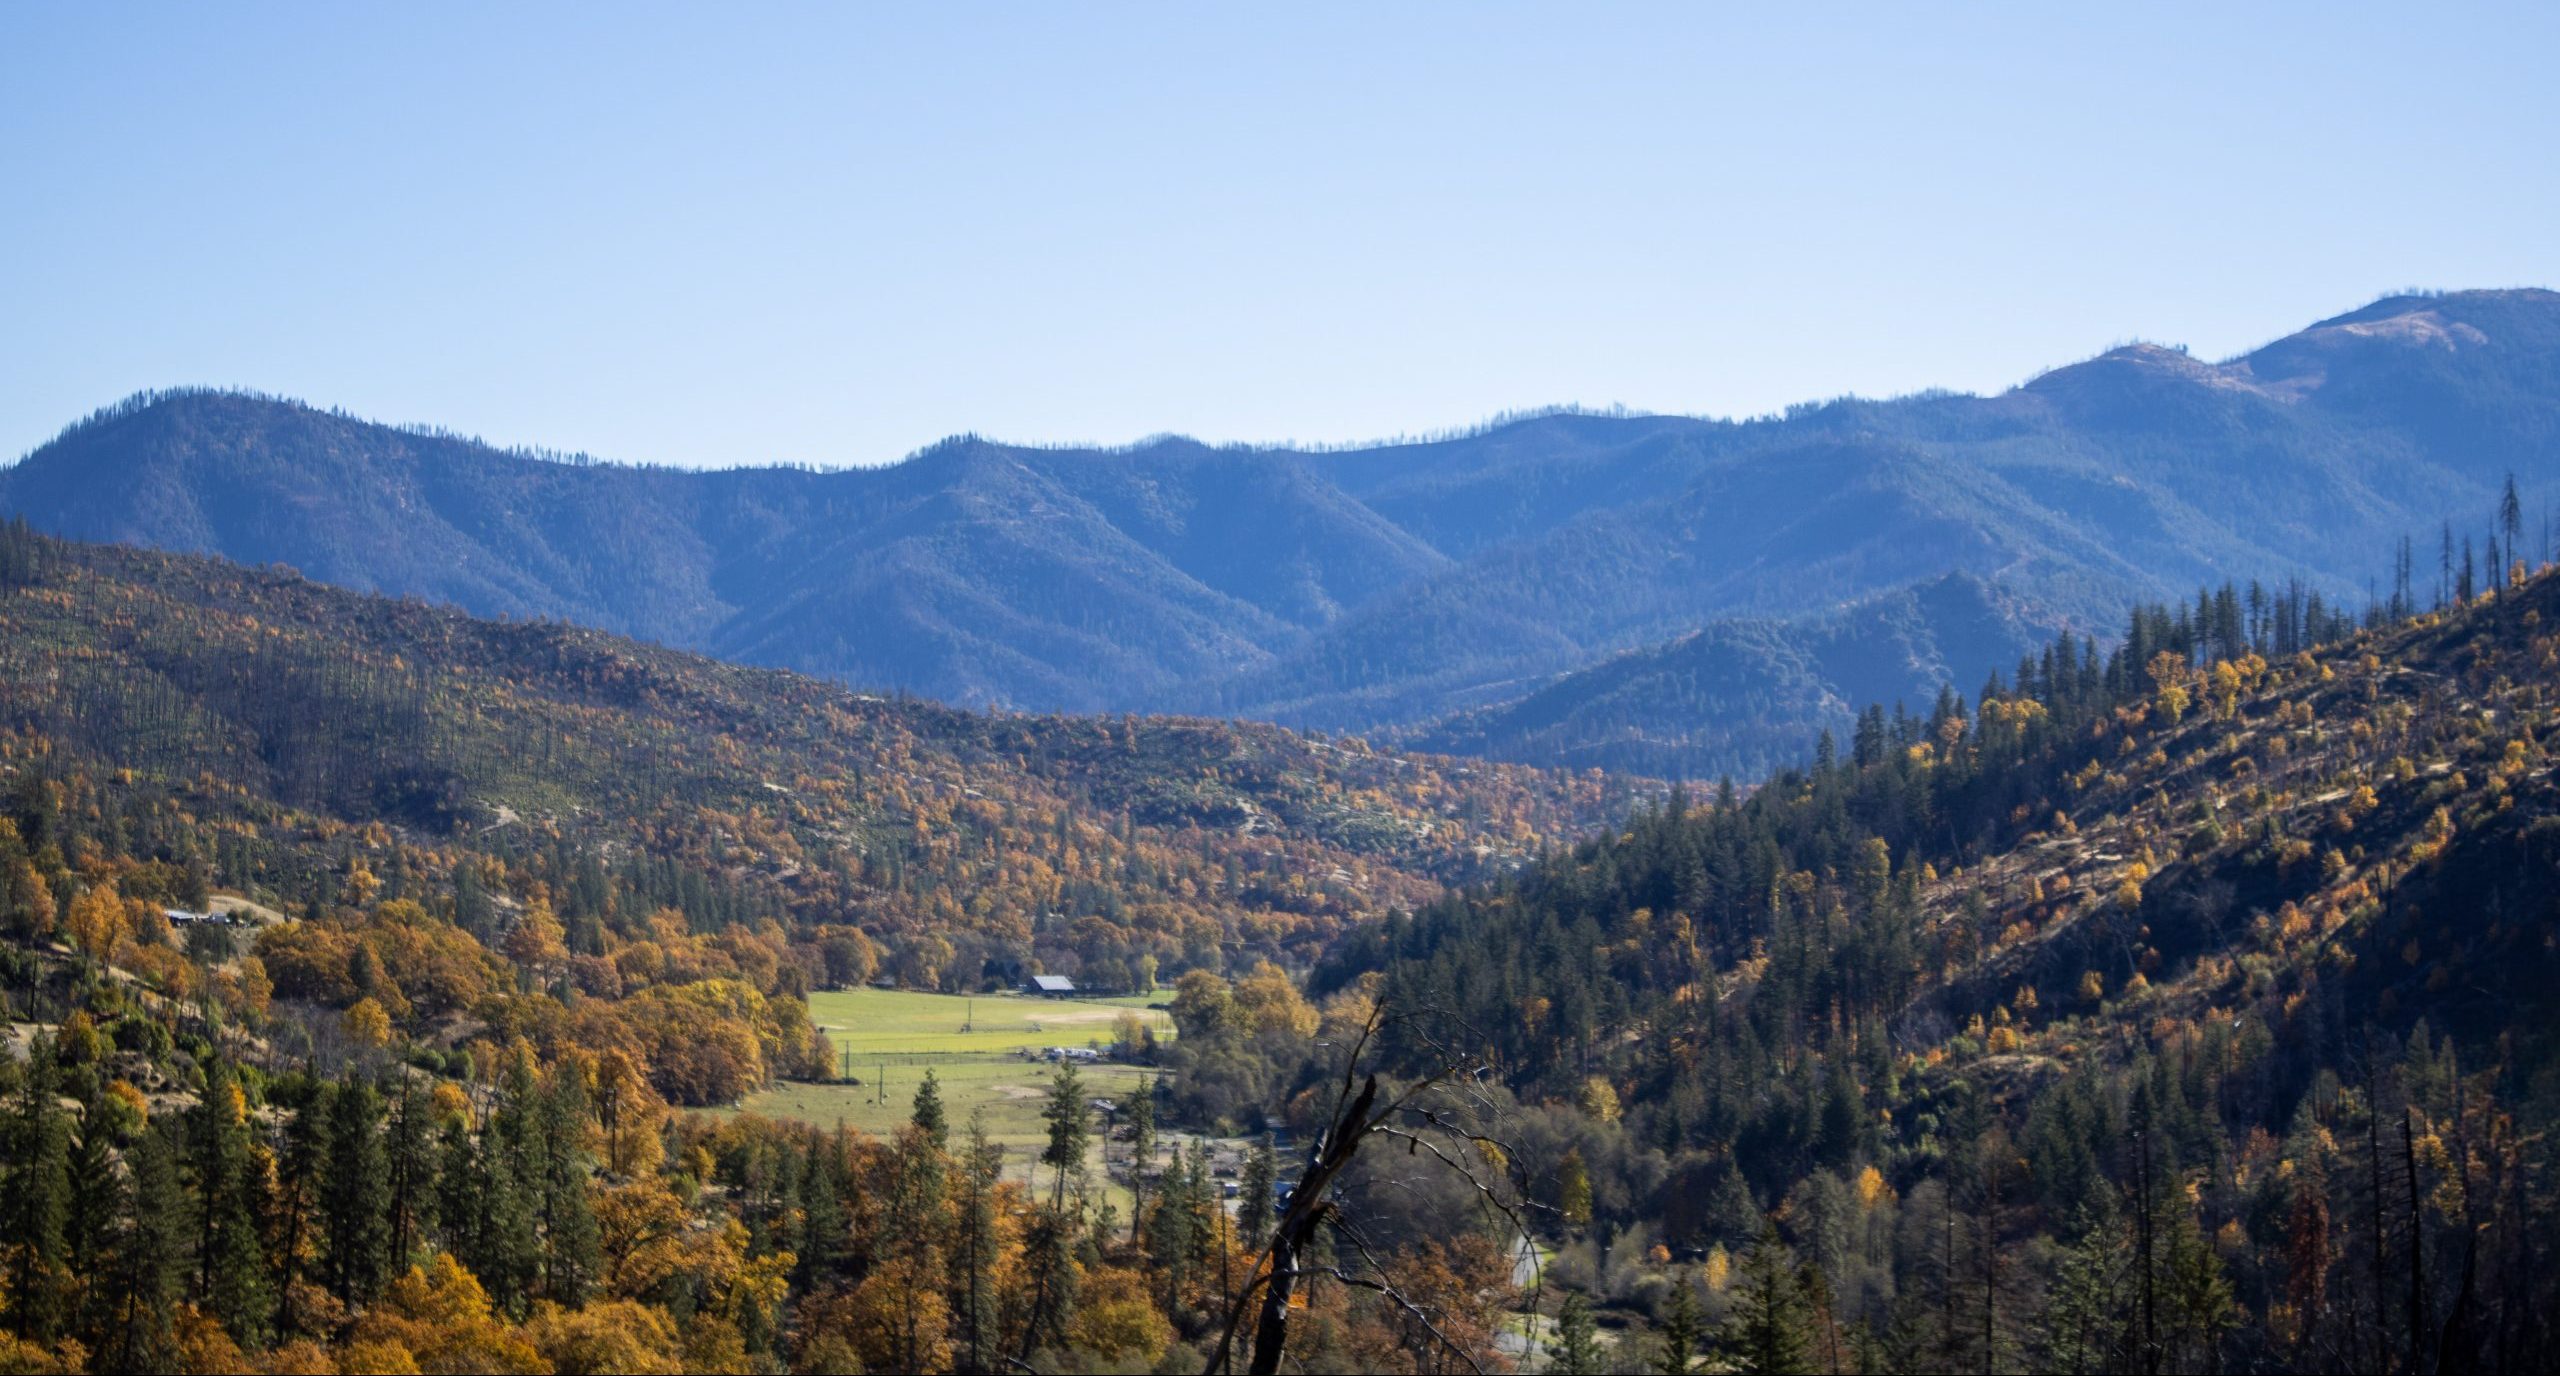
{"points": [[727, 234]]}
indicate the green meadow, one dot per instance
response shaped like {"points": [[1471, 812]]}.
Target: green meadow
{"points": [[886, 1039], [874, 1021]]}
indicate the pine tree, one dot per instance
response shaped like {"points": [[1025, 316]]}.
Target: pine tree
{"points": [[1142, 1153], [1049, 1253], [976, 1245], [150, 1260], [510, 1178], [355, 1194], [1259, 1200], [1766, 1333], [1049, 1259], [912, 1214], [822, 1215], [2510, 520], [462, 1208], [38, 1199], [89, 1225], [2083, 1320], [928, 1110], [294, 1210], [231, 1272], [1575, 1347], [1676, 1346], [1070, 1132], [1173, 1230], [411, 1149], [570, 1255]]}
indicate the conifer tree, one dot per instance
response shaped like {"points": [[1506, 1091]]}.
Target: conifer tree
{"points": [[294, 1210], [976, 1244], [1142, 1153], [1575, 1348], [411, 1151], [1676, 1346], [1049, 1252], [2083, 1318], [89, 1226], [569, 1238], [38, 1201], [461, 1210], [149, 1264], [1070, 1132], [510, 1176], [1049, 1259], [1258, 1201], [822, 1215], [928, 1110], [355, 1194], [1766, 1333], [231, 1272]]}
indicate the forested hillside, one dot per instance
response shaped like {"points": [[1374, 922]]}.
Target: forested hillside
{"points": [[1393, 586], [2182, 1004], [280, 735], [2186, 1008]]}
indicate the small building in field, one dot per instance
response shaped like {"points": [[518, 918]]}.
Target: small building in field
{"points": [[1050, 986]]}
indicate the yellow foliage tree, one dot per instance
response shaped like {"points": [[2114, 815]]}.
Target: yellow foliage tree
{"points": [[97, 921], [1265, 1001], [1599, 1099], [366, 1024], [1116, 1320], [614, 1336], [439, 1314]]}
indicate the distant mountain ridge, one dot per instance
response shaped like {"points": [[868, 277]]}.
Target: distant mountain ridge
{"points": [[1388, 588], [1740, 696]]}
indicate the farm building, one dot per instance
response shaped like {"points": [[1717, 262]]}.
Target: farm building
{"points": [[1050, 986]]}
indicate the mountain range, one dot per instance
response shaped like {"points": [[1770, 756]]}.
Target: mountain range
{"points": [[1484, 591]]}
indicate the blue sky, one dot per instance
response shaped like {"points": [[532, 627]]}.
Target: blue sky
{"points": [[832, 234]]}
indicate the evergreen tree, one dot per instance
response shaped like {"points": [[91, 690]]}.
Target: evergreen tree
{"points": [[976, 1244], [822, 1215], [411, 1149], [1058, 1229], [150, 1260], [1258, 1202], [928, 1110], [1142, 1153], [2510, 520], [231, 1272], [570, 1243], [2083, 1319], [1575, 1348], [912, 1214], [462, 1207], [89, 1226], [1070, 1132], [38, 1200], [1676, 1346], [1766, 1333], [1049, 1260], [355, 1194], [1173, 1230], [294, 1210], [511, 1171]]}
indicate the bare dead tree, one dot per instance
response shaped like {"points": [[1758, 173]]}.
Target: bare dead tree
{"points": [[1435, 1114]]}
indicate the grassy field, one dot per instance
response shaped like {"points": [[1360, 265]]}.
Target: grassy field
{"points": [[887, 1039], [874, 1021]]}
